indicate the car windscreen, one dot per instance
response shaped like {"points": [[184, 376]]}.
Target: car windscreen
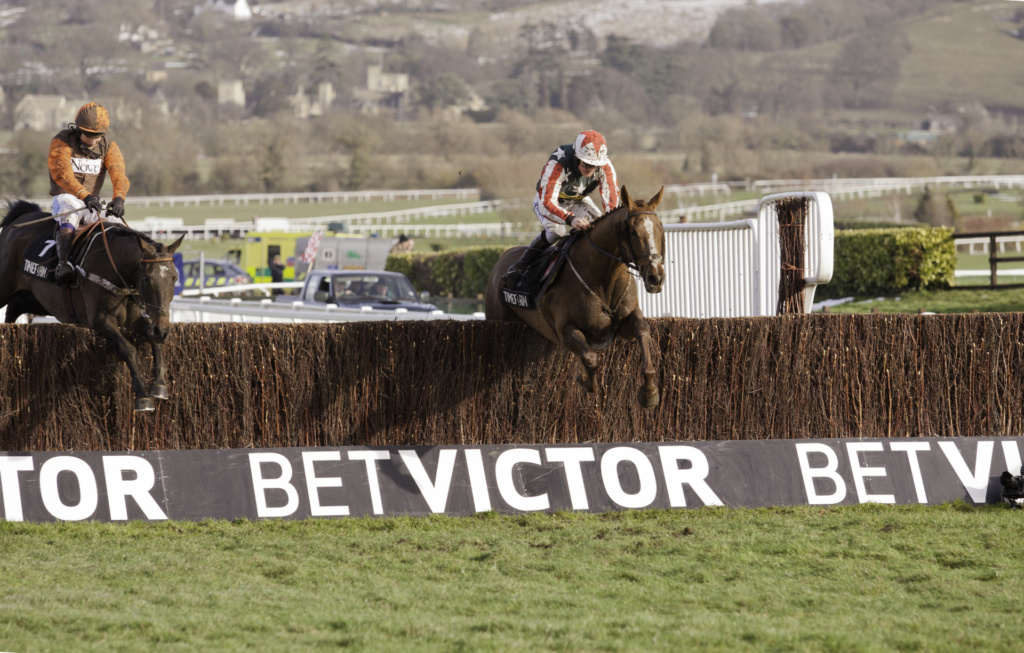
{"points": [[371, 287]]}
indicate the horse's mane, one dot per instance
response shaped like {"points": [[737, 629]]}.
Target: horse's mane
{"points": [[17, 209], [125, 230], [613, 214]]}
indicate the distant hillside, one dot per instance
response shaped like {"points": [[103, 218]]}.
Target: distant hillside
{"points": [[353, 94]]}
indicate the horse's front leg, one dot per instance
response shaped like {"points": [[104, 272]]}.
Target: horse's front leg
{"points": [[577, 342], [158, 388], [126, 351], [635, 326]]}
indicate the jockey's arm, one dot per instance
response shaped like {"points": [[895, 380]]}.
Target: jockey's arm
{"points": [[550, 186], [609, 188], [114, 163], [59, 162]]}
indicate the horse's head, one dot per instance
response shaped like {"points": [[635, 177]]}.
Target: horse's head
{"points": [[645, 239], [157, 277]]}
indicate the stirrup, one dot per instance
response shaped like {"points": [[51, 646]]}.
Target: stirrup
{"points": [[66, 276]]}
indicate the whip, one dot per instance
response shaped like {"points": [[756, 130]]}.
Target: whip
{"points": [[50, 217]]}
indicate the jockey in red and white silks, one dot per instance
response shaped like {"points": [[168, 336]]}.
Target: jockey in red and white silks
{"points": [[570, 174]]}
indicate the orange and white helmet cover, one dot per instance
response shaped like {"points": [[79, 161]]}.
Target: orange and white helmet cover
{"points": [[591, 148]]}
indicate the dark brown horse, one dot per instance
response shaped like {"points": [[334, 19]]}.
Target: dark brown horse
{"points": [[594, 297], [125, 283]]}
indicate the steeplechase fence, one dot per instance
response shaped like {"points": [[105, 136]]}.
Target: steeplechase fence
{"points": [[481, 383]]}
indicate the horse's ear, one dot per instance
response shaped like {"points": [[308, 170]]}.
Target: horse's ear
{"points": [[656, 200], [626, 201], [173, 246]]}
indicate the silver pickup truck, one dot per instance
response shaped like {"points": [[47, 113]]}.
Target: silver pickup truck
{"points": [[373, 288]]}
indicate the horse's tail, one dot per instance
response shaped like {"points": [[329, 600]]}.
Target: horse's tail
{"points": [[17, 209]]}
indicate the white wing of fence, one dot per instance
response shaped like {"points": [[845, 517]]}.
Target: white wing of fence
{"points": [[733, 269]]}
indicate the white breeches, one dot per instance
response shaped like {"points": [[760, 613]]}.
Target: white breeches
{"points": [[67, 202], [553, 226]]}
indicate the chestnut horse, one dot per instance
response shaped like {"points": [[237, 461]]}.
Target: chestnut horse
{"points": [[594, 297], [125, 283]]}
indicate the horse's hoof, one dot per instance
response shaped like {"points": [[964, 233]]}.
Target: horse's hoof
{"points": [[159, 391], [649, 399], [144, 405], [587, 382]]}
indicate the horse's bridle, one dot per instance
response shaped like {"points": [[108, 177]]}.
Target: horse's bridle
{"points": [[625, 243], [138, 287], [133, 291]]}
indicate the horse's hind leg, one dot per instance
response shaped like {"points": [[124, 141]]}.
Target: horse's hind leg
{"points": [[577, 342], [636, 327], [143, 403]]}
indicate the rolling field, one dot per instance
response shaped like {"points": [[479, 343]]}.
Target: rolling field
{"points": [[865, 578]]}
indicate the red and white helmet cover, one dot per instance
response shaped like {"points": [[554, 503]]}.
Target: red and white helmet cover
{"points": [[590, 148]]}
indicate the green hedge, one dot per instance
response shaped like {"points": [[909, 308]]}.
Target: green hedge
{"points": [[867, 262], [460, 274], [886, 261]]}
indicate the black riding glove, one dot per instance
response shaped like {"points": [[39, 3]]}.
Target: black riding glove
{"points": [[92, 202], [116, 207]]}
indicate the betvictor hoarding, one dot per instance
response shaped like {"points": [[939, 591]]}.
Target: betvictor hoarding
{"points": [[296, 483]]}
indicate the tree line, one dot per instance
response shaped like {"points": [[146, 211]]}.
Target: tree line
{"points": [[747, 88]]}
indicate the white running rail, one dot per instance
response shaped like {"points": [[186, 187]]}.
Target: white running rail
{"points": [[205, 309]]}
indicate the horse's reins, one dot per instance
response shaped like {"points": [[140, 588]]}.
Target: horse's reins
{"points": [[631, 264], [127, 290]]}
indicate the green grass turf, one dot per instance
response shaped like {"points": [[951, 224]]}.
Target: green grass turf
{"points": [[867, 578], [958, 300]]}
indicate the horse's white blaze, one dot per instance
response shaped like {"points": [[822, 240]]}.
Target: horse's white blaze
{"points": [[164, 271], [652, 245]]}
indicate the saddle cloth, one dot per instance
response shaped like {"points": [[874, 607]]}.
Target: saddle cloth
{"points": [[539, 276], [41, 255]]}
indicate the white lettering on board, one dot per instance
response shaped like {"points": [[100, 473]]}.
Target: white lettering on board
{"points": [[87, 490], [9, 468], [139, 489], [828, 471], [478, 480], [1012, 455], [610, 475], [915, 465], [371, 458], [261, 484], [976, 484], [695, 476], [435, 492], [504, 469], [314, 483], [571, 457], [853, 449]]}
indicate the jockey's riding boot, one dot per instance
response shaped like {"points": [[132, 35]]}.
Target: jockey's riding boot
{"points": [[65, 273], [532, 253]]}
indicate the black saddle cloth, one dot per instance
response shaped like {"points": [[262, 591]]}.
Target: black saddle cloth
{"points": [[539, 275], [41, 256]]}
